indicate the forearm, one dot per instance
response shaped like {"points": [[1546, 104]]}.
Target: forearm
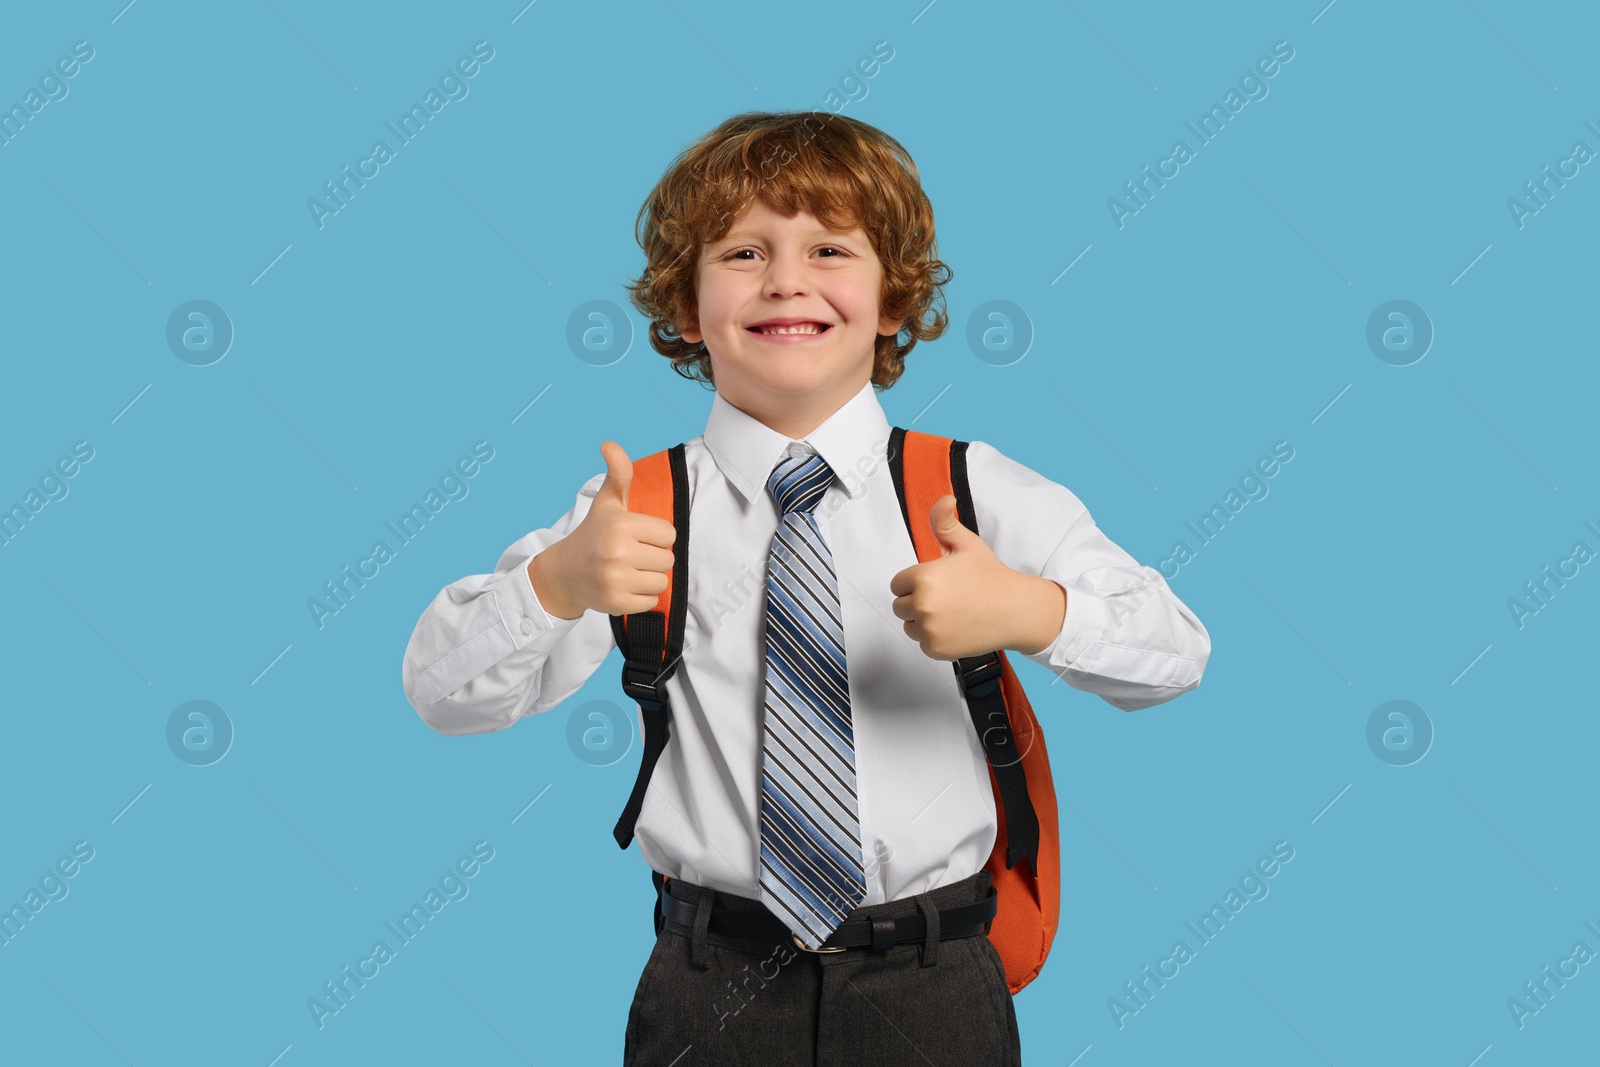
{"points": [[1123, 634], [1135, 643], [477, 651], [490, 648]]}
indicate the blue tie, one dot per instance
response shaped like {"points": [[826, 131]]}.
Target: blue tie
{"points": [[811, 868]]}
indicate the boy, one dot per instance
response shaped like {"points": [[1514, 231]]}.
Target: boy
{"points": [[821, 768]]}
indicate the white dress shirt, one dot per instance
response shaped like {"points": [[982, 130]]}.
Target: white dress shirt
{"points": [[485, 652]]}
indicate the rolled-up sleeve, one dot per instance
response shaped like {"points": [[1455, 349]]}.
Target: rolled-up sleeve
{"points": [[485, 652], [1125, 636]]}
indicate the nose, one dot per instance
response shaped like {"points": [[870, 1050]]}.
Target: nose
{"points": [[785, 274]]}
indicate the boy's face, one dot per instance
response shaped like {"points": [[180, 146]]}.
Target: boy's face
{"points": [[768, 267]]}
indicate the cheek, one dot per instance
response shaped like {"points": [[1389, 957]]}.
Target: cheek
{"points": [[717, 306], [871, 295], [869, 309]]}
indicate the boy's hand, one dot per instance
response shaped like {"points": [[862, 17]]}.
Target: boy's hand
{"points": [[967, 602], [616, 561]]}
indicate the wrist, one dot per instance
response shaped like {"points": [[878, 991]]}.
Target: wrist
{"points": [[547, 587], [1045, 612]]}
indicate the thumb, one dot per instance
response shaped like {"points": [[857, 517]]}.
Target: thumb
{"points": [[950, 531], [613, 491]]}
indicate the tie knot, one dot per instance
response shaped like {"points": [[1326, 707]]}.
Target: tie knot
{"points": [[798, 482]]}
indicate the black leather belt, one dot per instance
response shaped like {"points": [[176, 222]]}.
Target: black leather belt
{"points": [[875, 934]]}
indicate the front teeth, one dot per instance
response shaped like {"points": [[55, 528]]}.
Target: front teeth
{"points": [[791, 329]]}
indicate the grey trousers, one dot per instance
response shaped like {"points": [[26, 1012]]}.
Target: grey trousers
{"points": [[706, 1000]]}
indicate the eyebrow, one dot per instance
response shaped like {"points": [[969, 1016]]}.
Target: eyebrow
{"points": [[745, 235]]}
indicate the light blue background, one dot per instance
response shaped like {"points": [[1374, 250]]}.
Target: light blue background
{"points": [[1228, 314]]}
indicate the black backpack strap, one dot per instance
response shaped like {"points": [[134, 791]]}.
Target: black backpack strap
{"points": [[979, 678], [651, 650], [659, 880]]}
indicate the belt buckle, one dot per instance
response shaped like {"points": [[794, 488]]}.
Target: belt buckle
{"points": [[818, 951]]}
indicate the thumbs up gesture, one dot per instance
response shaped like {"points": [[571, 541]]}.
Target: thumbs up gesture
{"points": [[967, 602], [616, 561]]}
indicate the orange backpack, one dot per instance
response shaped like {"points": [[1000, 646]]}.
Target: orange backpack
{"points": [[924, 467]]}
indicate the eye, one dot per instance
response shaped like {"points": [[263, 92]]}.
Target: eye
{"points": [[738, 251], [833, 248]]}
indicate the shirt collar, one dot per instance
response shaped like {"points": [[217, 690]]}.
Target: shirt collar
{"points": [[852, 440]]}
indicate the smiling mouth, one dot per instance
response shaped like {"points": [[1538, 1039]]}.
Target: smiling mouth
{"points": [[805, 328]]}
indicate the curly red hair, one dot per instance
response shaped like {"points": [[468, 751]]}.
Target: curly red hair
{"points": [[842, 170]]}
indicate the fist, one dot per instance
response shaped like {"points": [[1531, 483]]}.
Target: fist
{"points": [[616, 561]]}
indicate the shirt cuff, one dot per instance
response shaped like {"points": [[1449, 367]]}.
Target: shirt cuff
{"points": [[527, 622], [1082, 631]]}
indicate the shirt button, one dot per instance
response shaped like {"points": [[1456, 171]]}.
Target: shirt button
{"points": [[527, 625]]}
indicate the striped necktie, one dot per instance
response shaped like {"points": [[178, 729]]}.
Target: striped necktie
{"points": [[811, 867]]}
